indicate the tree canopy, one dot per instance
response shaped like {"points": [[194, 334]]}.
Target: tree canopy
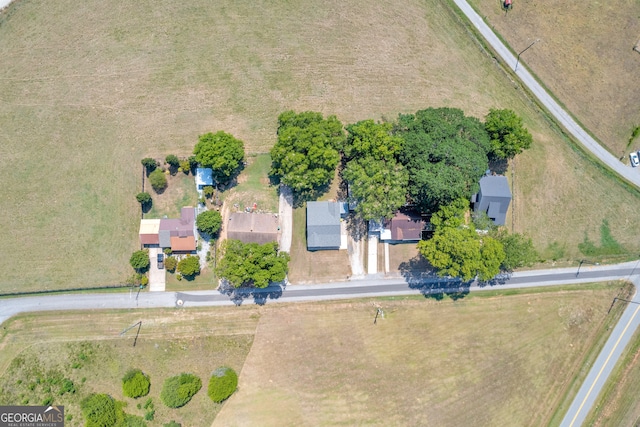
{"points": [[209, 222], [377, 181], [177, 391], [444, 152], [135, 383], [158, 180], [307, 151], [143, 198], [222, 153], [460, 252], [507, 133], [251, 264], [222, 384], [140, 260], [518, 248], [189, 266]]}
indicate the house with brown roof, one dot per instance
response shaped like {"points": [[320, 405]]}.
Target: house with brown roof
{"points": [[178, 234], [404, 226], [253, 227]]}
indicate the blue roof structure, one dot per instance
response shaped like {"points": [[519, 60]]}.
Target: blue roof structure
{"points": [[204, 177]]}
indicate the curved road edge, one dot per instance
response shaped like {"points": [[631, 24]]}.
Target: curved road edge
{"points": [[561, 115]]}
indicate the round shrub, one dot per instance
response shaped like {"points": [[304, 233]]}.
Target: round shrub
{"points": [[135, 383], [177, 391], [170, 263], [158, 180], [99, 410], [222, 384]]}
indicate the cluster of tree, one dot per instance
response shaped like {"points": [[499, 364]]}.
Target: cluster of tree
{"points": [[189, 266], [209, 222], [135, 384], [222, 384], [177, 391], [458, 250], [378, 180], [221, 152], [307, 152], [252, 264]]}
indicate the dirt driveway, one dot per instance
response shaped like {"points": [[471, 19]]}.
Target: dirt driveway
{"points": [[157, 278]]}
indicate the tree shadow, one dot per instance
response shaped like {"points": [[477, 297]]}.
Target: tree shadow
{"points": [[260, 295], [499, 166], [356, 226], [420, 276], [146, 207]]}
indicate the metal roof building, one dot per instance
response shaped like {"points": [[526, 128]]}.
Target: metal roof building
{"points": [[323, 225], [493, 198]]}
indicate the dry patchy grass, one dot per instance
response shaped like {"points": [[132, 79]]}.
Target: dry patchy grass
{"points": [[88, 90], [180, 192], [478, 361], [585, 58]]}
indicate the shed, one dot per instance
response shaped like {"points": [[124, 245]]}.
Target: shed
{"points": [[253, 227], [493, 198], [204, 178], [323, 225]]}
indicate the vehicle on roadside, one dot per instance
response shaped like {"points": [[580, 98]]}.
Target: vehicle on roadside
{"points": [[160, 261], [635, 160]]}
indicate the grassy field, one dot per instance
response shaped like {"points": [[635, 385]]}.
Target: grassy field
{"points": [[507, 358], [478, 361], [170, 342], [618, 404], [585, 58], [88, 90]]}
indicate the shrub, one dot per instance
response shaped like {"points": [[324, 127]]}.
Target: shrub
{"points": [[140, 260], [222, 384], [209, 222], [208, 191], [67, 387], [149, 164], [143, 198], [99, 410], [158, 180], [132, 421], [170, 264], [135, 384], [177, 391], [185, 166], [173, 161], [144, 280], [189, 266]]}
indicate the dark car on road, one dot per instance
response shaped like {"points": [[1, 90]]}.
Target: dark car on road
{"points": [[160, 261]]}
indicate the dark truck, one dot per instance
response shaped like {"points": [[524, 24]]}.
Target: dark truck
{"points": [[160, 261]]}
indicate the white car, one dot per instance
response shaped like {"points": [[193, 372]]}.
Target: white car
{"points": [[635, 161]]}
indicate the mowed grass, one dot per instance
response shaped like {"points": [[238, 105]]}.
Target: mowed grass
{"points": [[490, 361], [585, 58], [88, 90], [180, 192], [170, 342], [253, 187]]}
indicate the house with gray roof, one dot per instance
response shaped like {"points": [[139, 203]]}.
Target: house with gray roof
{"points": [[323, 225], [493, 198]]}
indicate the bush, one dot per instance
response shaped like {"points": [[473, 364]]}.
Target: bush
{"points": [[189, 266], [135, 384], [158, 180], [177, 391], [67, 387], [185, 166], [170, 264], [209, 222], [173, 161], [143, 198], [140, 260], [149, 164], [144, 280], [222, 384], [132, 421], [208, 191], [99, 410]]}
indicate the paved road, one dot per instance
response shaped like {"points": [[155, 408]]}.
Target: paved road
{"points": [[604, 364], [627, 172]]}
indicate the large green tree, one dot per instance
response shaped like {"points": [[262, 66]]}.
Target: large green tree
{"points": [[460, 252], [222, 153], [508, 135], [307, 152], [377, 181], [251, 264], [445, 153], [140, 260], [209, 222]]}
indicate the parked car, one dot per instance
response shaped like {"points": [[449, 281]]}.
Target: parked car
{"points": [[160, 261], [635, 160]]}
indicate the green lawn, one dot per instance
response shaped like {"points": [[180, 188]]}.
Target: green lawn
{"points": [[87, 90]]}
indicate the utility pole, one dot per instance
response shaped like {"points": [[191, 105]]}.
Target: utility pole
{"points": [[522, 51]]}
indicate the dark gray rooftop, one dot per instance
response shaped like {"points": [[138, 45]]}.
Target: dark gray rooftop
{"points": [[494, 186]]}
